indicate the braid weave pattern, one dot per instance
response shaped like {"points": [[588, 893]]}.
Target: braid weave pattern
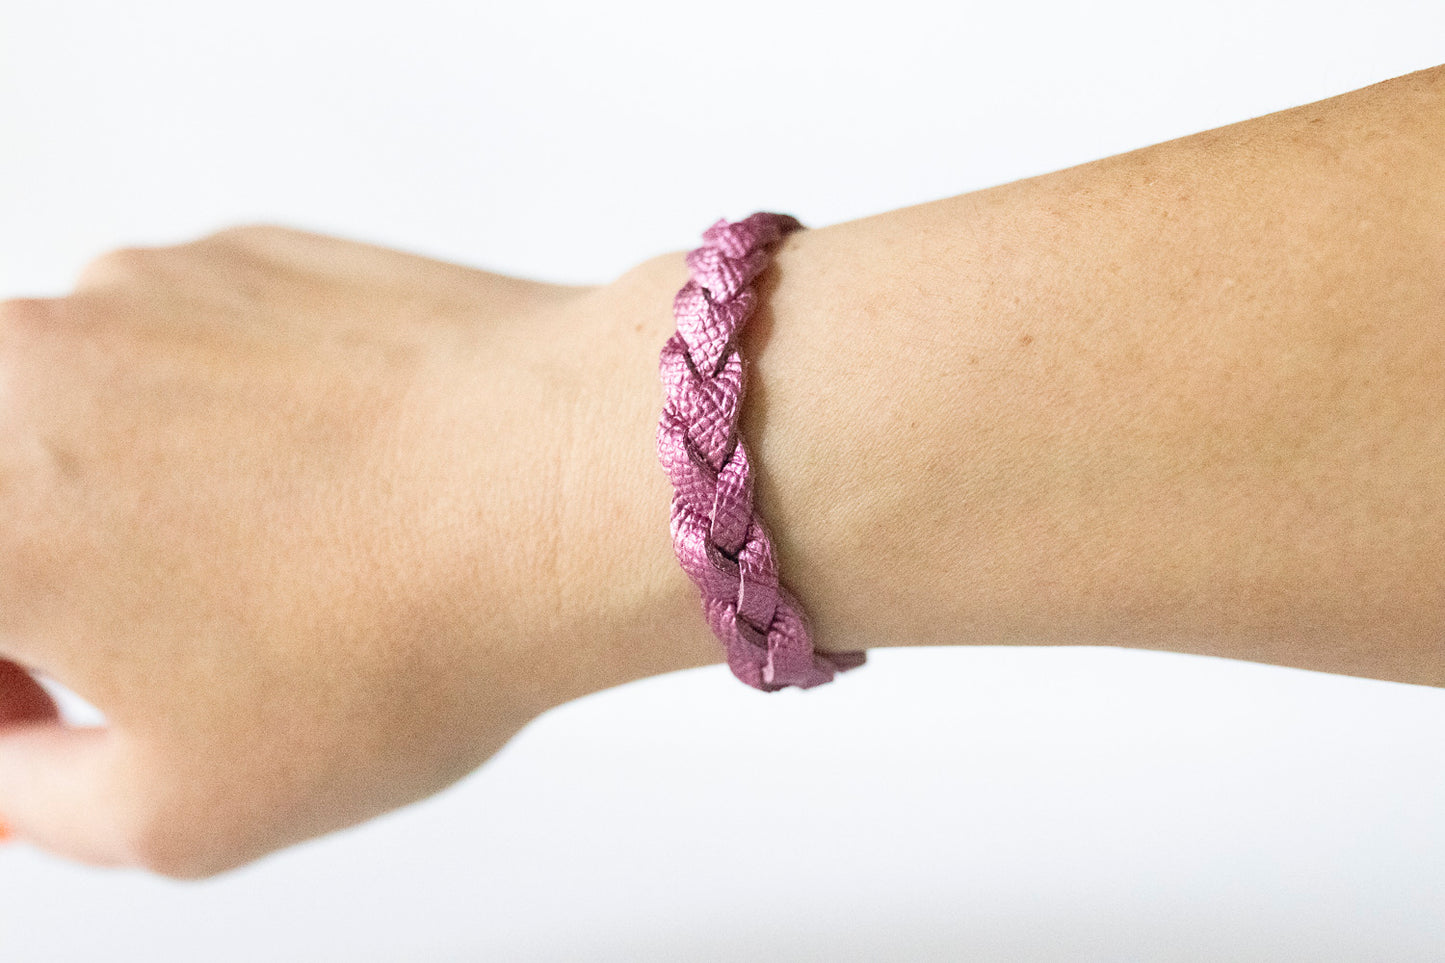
{"points": [[717, 535]]}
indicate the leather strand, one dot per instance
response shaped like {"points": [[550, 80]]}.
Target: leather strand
{"points": [[716, 532]]}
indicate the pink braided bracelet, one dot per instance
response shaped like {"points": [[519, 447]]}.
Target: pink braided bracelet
{"points": [[718, 536]]}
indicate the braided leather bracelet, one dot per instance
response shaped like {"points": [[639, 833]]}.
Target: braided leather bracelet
{"points": [[717, 535]]}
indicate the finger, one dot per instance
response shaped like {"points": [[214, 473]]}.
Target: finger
{"points": [[58, 789]]}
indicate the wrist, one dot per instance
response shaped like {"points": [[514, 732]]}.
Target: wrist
{"points": [[812, 521], [634, 610]]}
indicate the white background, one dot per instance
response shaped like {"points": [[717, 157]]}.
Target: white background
{"points": [[976, 804]]}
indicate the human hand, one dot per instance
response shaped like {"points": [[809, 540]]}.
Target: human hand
{"points": [[318, 526]]}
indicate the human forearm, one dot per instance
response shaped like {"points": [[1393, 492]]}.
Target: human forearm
{"points": [[1190, 397], [318, 526]]}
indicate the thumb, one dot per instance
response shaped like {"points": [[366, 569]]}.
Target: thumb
{"points": [[56, 781]]}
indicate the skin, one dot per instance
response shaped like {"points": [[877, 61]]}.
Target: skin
{"points": [[319, 526]]}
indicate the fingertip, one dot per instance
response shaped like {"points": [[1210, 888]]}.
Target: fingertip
{"points": [[58, 791]]}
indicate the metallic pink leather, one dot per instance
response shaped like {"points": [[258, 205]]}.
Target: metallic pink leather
{"points": [[716, 532]]}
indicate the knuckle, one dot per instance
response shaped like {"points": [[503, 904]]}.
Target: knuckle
{"points": [[27, 312], [117, 267], [250, 236], [23, 321], [165, 847], [184, 869], [172, 832]]}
